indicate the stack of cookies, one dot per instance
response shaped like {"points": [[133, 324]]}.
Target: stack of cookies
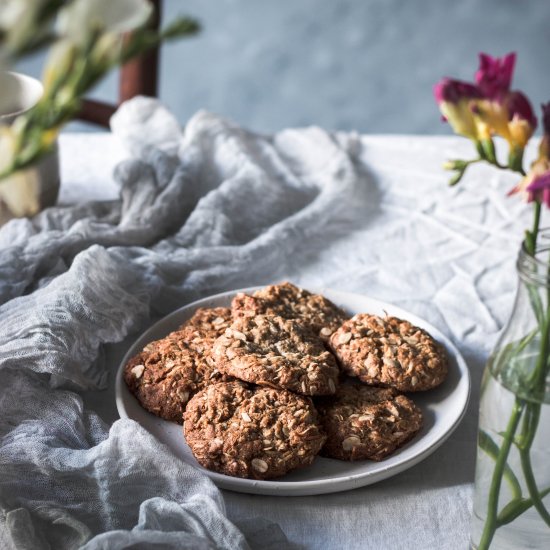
{"points": [[283, 375]]}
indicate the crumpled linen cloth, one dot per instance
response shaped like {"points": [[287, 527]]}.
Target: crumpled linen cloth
{"points": [[204, 209]]}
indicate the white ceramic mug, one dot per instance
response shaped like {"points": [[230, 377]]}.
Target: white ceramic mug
{"points": [[32, 189], [18, 94]]}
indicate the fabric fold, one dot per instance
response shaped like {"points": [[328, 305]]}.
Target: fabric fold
{"points": [[201, 210]]}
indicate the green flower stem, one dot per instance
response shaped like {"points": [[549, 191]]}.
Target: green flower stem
{"points": [[496, 481], [515, 160], [531, 242], [491, 449], [525, 456], [531, 421]]}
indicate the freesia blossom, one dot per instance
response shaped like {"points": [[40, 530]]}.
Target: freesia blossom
{"points": [[59, 63], [522, 122], [454, 98], [494, 76], [539, 189], [17, 19], [489, 107], [82, 17], [538, 169], [507, 113], [531, 184]]}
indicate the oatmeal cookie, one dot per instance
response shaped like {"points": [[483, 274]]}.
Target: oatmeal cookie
{"points": [[389, 352], [366, 422], [169, 371], [290, 302], [271, 351], [200, 331], [253, 432]]}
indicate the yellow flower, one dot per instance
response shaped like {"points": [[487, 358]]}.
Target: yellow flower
{"points": [[455, 103], [522, 122], [493, 115]]}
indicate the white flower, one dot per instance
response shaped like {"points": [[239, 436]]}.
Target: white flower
{"points": [[12, 11], [58, 63], [81, 17], [17, 19]]}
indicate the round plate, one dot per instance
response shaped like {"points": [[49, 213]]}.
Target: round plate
{"points": [[443, 408]]}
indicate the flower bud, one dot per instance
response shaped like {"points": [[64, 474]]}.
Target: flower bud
{"points": [[58, 65], [456, 164]]}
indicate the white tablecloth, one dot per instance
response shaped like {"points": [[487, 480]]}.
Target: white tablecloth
{"points": [[445, 254]]}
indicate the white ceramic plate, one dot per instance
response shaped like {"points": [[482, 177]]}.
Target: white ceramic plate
{"points": [[443, 409]]}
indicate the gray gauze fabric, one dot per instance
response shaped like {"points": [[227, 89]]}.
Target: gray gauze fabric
{"points": [[202, 210]]}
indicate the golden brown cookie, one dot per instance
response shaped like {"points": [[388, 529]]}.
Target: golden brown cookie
{"points": [[364, 422], [386, 351], [252, 432], [290, 302], [168, 372], [281, 353], [206, 324]]}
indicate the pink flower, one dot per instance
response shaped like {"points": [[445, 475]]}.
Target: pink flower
{"points": [[454, 98], [539, 189], [540, 168], [519, 107], [494, 76], [487, 108], [507, 113], [453, 91], [522, 122]]}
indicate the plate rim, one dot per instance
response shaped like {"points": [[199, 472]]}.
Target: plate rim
{"points": [[305, 487]]}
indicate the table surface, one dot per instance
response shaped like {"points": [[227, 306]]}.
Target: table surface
{"points": [[445, 254]]}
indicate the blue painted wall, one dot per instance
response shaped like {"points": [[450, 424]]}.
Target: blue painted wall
{"points": [[367, 65]]}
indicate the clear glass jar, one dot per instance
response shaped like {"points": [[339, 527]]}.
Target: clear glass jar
{"points": [[512, 485]]}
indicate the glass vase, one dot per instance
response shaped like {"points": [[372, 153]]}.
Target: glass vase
{"points": [[512, 485]]}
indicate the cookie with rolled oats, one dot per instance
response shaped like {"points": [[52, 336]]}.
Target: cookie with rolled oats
{"points": [[252, 432], [391, 352], [269, 350], [206, 324], [168, 372], [290, 302], [366, 422]]}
